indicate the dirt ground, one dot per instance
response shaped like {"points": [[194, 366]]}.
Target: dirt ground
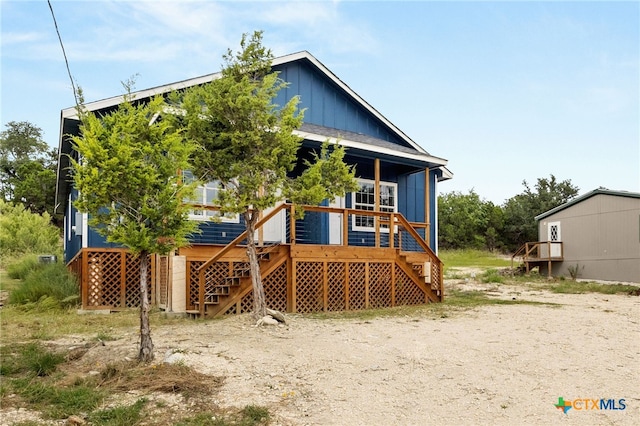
{"points": [[498, 364]]}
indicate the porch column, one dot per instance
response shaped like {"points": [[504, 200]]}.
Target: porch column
{"points": [[427, 209], [376, 194]]}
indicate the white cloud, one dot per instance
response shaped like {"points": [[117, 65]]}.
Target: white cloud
{"points": [[13, 38]]}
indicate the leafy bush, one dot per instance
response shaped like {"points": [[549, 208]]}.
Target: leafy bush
{"points": [[492, 276], [23, 232], [50, 285], [19, 269]]}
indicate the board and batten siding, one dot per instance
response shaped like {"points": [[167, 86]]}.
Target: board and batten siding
{"points": [[327, 105]]}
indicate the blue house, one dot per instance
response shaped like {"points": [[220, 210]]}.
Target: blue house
{"points": [[374, 247]]}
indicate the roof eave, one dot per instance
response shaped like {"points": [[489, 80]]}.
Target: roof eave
{"points": [[429, 160], [583, 197]]}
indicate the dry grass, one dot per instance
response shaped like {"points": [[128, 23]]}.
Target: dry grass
{"points": [[167, 378]]}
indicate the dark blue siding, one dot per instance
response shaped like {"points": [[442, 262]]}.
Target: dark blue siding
{"points": [[73, 242], [212, 233], [328, 105]]}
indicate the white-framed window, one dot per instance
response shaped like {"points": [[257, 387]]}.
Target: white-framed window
{"points": [[364, 199], [207, 195]]}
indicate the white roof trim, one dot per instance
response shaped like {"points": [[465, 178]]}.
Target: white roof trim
{"points": [[446, 173], [116, 100], [422, 157]]}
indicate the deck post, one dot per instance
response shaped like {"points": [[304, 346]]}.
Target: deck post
{"points": [[549, 265], [84, 285], [393, 283], [366, 285], [347, 303], [293, 285], [292, 225], [123, 279], [392, 227], [325, 286], [376, 195], [427, 210]]}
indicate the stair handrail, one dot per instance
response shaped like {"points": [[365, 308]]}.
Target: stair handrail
{"points": [[225, 250], [412, 231]]}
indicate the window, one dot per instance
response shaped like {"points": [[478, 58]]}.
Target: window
{"points": [[207, 195], [364, 199]]}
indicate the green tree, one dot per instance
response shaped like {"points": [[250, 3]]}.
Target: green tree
{"points": [[247, 143], [467, 221], [128, 181], [27, 168], [520, 211]]}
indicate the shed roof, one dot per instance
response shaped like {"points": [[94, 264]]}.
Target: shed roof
{"points": [[583, 197]]}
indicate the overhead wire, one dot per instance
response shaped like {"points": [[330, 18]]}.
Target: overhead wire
{"points": [[64, 53]]}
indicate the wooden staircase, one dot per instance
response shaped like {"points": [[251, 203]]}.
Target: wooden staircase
{"points": [[220, 295], [538, 254], [420, 267]]}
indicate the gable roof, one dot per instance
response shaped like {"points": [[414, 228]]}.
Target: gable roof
{"points": [[303, 55], [583, 197], [411, 151]]}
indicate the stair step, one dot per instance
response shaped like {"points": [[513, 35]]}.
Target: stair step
{"points": [[211, 299], [219, 290], [232, 281], [242, 272]]}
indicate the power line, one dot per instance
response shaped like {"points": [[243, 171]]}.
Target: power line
{"points": [[64, 53]]}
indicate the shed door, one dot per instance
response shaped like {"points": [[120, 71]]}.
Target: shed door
{"points": [[554, 236]]}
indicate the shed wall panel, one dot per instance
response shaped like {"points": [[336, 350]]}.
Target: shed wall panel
{"points": [[601, 235]]}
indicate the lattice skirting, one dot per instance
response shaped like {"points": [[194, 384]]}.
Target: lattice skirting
{"points": [[337, 286], [111, 279], [323, 286]]}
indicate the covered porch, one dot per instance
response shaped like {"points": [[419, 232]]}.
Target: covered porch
{"points": [[391, 266]]}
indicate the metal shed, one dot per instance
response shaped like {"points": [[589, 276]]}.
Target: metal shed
{"points": [[599, 234]]}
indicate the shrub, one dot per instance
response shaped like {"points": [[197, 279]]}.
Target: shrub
{"points": [[492, 276], [51, 285], [23, 232], [574, 271], [19, 269]]}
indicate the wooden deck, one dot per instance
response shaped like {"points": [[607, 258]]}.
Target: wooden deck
{"points": [[539, 253], [396, 267]]}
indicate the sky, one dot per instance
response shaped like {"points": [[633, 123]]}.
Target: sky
{"points": [[505, 91]]}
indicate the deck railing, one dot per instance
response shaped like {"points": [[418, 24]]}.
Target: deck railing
{"points": [[384, 230], [539, 251]]}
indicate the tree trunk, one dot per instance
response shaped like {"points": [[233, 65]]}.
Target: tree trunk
{"points": [[146, 345], [259, 303]]}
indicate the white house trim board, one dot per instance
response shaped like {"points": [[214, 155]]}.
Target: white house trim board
{"points": [[371, 148], [85, 230]]}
